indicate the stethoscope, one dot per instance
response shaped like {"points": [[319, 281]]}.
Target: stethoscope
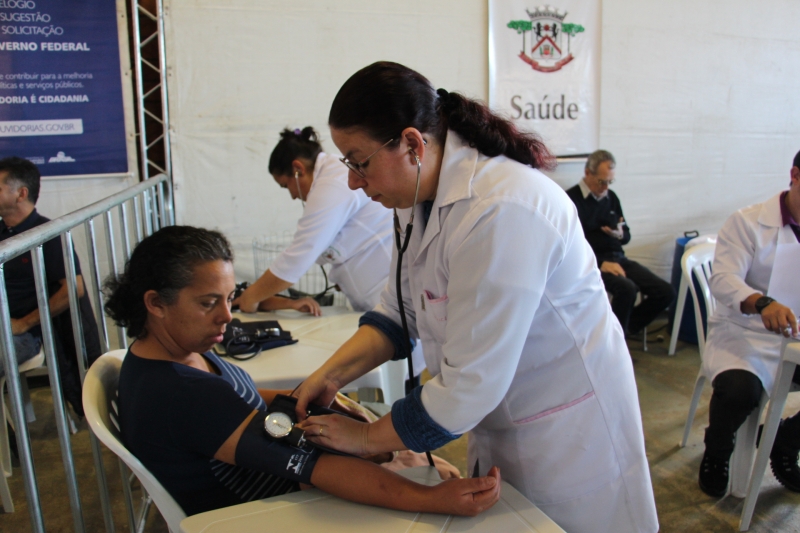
{"points": [[299, 192], [401, 248]]}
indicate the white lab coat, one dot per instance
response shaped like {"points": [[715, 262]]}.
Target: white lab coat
{"points": [[742, 266], [504, 291], [344, 228]]}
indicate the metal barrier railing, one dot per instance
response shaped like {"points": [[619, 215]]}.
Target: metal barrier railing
{"points": [[151, 201]]}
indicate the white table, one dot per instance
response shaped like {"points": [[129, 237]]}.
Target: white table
{"points": [[329, 514], [318, 338]]}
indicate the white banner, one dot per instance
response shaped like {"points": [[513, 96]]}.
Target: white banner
{"points": [[551, 85]]}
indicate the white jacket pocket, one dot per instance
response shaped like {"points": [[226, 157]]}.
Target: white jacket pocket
{"points": [[435, 312]]}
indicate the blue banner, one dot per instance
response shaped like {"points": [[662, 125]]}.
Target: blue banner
{"points": [[60, 86]]}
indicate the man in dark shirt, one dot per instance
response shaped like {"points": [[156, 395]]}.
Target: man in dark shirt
{"points": [[19, 191], [604, 226]]}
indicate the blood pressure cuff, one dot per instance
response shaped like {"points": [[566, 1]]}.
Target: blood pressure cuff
{"points": [[257, 451]]}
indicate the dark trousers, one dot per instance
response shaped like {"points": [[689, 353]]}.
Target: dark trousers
{"points": [[657, 294], [736, 394]]}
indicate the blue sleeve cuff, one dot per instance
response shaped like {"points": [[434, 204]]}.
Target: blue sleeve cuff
{"points": [[391, 329], [418, 431]]}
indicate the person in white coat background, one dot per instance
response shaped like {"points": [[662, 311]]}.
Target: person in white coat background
{"points": [[501, 286], [339, 226], [744, 334]]}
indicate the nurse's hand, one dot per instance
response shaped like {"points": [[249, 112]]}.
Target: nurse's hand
{"points": [[779, 319], [467, 497], [318, 389], [337, 432]]}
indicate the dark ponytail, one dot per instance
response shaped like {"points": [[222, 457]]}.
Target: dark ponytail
{"points": [[294, 144], [385, 98]]}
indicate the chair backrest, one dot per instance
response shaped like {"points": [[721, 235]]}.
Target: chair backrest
{"points": [[696, 266], [99, 404]]}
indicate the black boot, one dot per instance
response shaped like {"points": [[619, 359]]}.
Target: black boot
{"points": [[783, 460], [714, 476]]}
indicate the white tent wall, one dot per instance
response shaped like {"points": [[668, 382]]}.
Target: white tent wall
{"points": [[696, 100], [242, 70], [699, 106]]}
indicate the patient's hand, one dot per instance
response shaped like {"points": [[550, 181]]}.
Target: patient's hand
{"points": [[611, 267], [467, 497], [305, 305]]}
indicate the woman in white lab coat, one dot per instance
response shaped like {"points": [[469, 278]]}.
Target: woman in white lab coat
{"points": [[503, 289], [339, 226], [743, 348]]}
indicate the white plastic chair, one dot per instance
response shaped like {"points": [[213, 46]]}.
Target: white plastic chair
{"points": [[790, 358], [696, 262], [99, 404], [683, 287], [5, 446]]}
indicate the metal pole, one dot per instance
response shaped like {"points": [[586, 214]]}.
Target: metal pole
{"points": [[148, 216], [162, 205], [170, 202], [137, 64], [80, 349], [18, 410], [112, 260], [126, 241], [94, 267], [74, 304], [154, 211], [124, 473], [137, 216], [54, 372], [164, 92]]}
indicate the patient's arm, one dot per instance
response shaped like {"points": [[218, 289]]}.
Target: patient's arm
{"points": [[364, 482]]}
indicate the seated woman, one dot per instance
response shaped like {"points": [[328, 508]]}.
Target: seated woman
{"points": [[197, 422]]}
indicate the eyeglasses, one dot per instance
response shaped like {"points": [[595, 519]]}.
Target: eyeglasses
{"points": [[358, 168], [604, 183]]}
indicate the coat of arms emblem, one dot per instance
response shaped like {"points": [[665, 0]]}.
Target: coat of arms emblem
{"points": [[548, 50]]}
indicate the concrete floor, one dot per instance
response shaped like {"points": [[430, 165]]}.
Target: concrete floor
{"points": [[665, 387]]}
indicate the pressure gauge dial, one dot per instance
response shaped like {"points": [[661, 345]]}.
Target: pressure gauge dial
{"points": [[278, 425]]}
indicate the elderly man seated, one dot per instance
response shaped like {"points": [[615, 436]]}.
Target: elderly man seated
{"points": [[604, 226]]}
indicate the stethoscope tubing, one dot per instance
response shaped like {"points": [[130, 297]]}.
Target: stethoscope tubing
{"points": [[401, 248]]}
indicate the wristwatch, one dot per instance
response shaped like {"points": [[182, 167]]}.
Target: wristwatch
{"points": [[762, 303], [279, 425]]}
